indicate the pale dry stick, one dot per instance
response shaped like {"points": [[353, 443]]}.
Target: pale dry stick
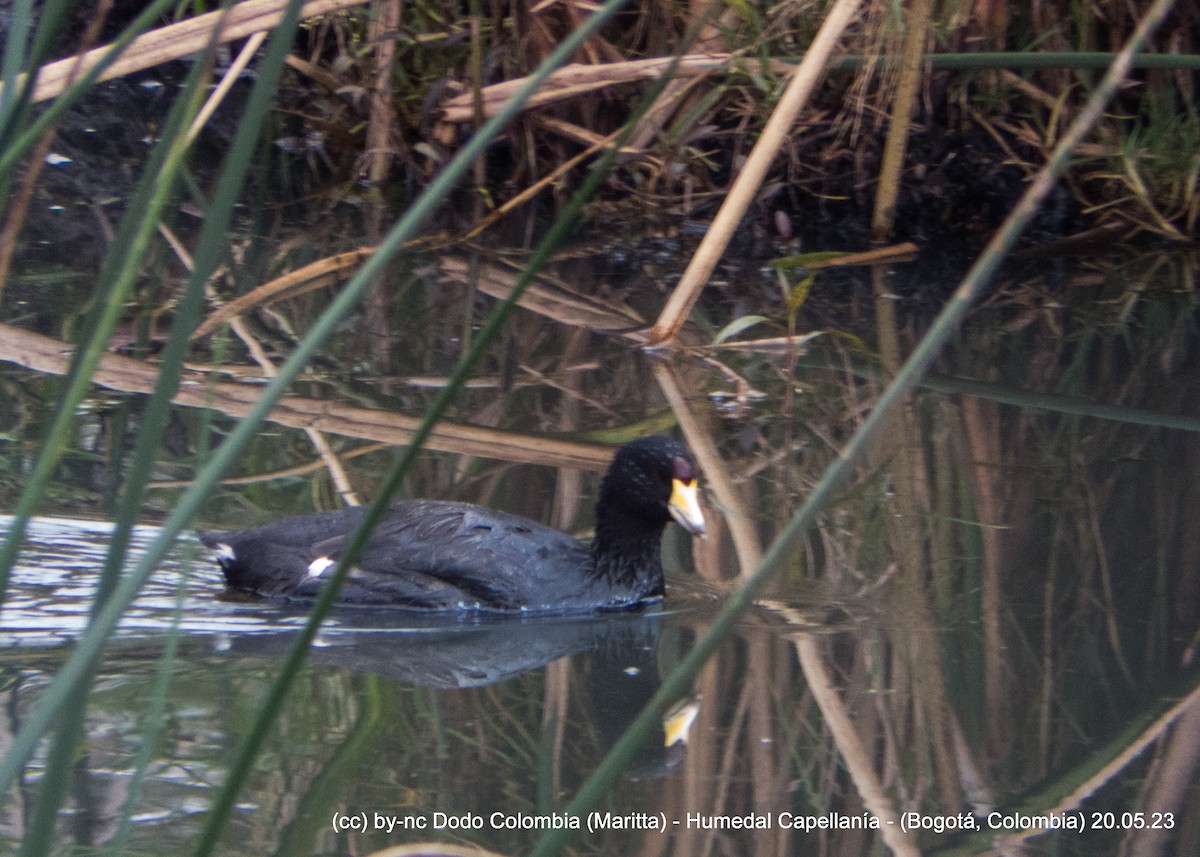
{"points": [[547, 296], [179, 40], [341, 482], [196, 390], [716, 475], [312, 276], [576, 80], [892, 167], [909, 473], [556, 697], [1034, 93], [981, 431], [381, 118], [670, 102], [337, 472], [318, 74], [227, 81], [726, 772], [903, 252], [746, 185], [1168, 787]]}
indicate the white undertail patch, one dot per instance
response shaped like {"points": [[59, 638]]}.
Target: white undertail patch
{"points": [[224, 551], [318, 566]]}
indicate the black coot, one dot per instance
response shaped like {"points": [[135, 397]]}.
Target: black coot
{"points": [[432, 555]]}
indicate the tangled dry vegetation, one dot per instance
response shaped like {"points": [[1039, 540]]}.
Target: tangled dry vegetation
{"points": [[975, 136], [382, 93]]}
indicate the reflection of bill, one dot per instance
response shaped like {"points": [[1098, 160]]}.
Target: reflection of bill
{"points": [[677, 723]]}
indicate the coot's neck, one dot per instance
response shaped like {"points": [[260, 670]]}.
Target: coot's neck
{"points": [[627, 551]]}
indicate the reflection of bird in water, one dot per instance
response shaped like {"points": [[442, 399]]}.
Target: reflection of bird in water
{"points": [[432, 555], [677, 722], [621, 680], [434, 650]]}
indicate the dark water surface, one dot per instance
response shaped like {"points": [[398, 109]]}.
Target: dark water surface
{"points": [[993, 629]]}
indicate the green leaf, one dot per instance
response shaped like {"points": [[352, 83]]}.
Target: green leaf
{"points": [[803, 260], [737, 326], [796, 298]]}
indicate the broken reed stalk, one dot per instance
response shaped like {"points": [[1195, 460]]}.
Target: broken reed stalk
{"points": [[227, 81], [746, 185], [381, 119], [890, 171], [179, 40], [716, 471], [50, 356], [313, 276], [575, 81]]}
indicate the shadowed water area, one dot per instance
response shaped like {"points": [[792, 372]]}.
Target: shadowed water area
{"points": [[990, 631]]}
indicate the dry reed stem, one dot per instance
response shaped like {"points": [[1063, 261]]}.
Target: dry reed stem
{"points": [[117, 372], [317, 74], [1030, 90], [574, 80], [795, 345], [381, 120], [716, 471], [746, 185], [1168, 784], [333, 464], [903, 252], [545, 296], [901, 449], [982, 434], [227, 81], [891, 170], [294, 472], [674, 98], [178, 40], [323, 272]]}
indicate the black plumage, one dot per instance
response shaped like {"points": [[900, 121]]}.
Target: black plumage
{"points": [[435, 555]]}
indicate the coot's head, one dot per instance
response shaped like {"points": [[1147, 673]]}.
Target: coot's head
{"points": [[651, 481]]}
